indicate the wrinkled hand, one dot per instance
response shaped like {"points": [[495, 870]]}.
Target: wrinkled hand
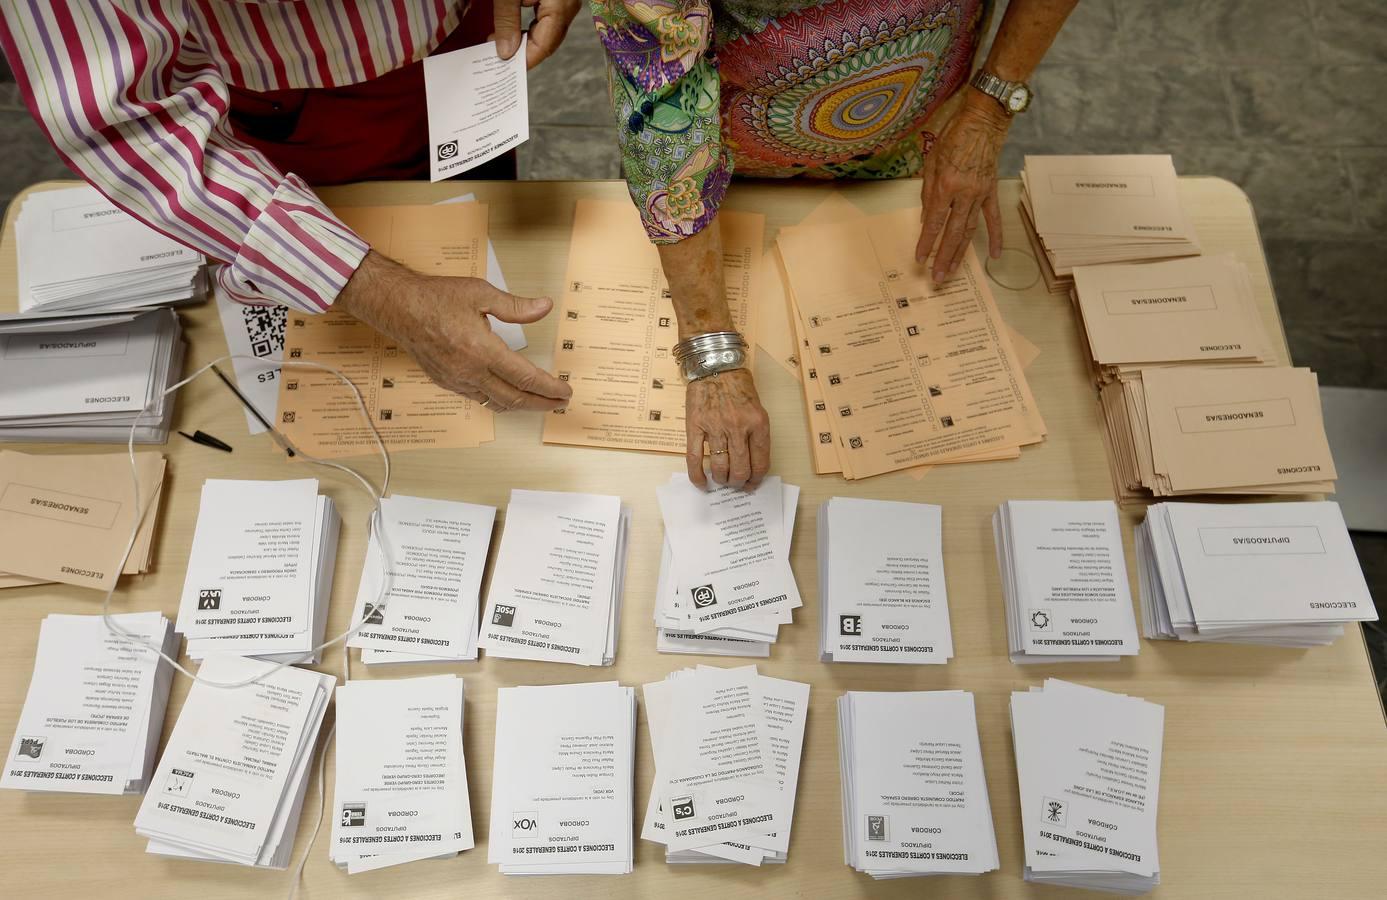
{"points": [[442, 323], [552, 18], [960, 181], [725, 412]]}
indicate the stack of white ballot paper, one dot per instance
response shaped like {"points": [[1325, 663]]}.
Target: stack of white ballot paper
{"points": [[725, 584], [881, 583], [727, 746], [260, 571], [401, 792], [438, 550], [1089, 767], [1283, 574], [562, 788], [914, 790], [87, 379], [78, 252], [231, 782], [1064, 580], [555, 593], [95, 708]]}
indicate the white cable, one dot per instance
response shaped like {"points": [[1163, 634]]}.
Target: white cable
{"points": [[377, 533], [377, 526]]}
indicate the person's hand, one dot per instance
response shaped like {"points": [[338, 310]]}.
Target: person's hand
{"points": [[725, 412], [552, 18], [960, 181], [442, 323]]}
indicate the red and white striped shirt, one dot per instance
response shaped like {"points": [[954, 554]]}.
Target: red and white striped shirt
{"points": [[133, 94]]}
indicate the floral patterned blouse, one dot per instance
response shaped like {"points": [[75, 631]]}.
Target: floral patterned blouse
{"points": [[836, 89]]}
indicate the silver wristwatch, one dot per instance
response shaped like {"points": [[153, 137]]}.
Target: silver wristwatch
{"points": [[705, 355], [1015, 96]]}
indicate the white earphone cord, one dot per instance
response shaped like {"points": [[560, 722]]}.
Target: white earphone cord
{"points": [[377, 531]]}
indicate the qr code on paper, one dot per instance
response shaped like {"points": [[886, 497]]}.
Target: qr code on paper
{"points": [[264, 329]]}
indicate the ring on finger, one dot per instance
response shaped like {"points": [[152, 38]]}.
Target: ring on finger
{"points": [[718, 453]]}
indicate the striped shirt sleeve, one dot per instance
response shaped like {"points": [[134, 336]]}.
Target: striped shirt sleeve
{"points": [[138, 111]]}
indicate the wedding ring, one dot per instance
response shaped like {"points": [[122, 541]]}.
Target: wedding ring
{"points": [[486, 403], [718, 453]]}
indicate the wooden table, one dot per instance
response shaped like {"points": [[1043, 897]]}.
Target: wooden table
{"points": [[1275, 770]]}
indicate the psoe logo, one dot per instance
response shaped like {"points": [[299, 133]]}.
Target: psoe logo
{"points": [[209, 598], [503, 615], [704, 596], [447, 150], [524, 824], [876, 828]]}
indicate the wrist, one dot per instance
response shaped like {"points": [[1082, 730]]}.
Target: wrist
{"points": [[377, 293], [985, 108]]}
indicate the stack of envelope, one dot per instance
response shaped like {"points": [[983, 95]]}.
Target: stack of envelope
{"points": [[887, 743], [231, 782], [80, 734], [555, 594], [67, 518], [1196, 310], [78, 252], [1064, 579], [260, 572], [87, 379], [727, 745], [562, 786], [725, 583], [1087, 210], [1089, 767], [881, 582], [1283, 574], [401, 779], [1188, 430]]}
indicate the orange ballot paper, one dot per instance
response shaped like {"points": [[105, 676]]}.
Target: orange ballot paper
{"points": [[911, 374], [617, 329], [318, 413]]}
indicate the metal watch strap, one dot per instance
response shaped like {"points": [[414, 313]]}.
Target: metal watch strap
{"points": [[997, 88]]}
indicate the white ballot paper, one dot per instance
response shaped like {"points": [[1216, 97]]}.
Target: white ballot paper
{"points": [[727, 748], [752, 637], [478, 107], [914, 790], [881, 583], [401, 790], [555, 593], [1283, 574], [439, 550], [731, 556], [260, 572], [561, 789], [258, 332], [1064, 580], [1089, 767], [95, 708], [231, 782]]}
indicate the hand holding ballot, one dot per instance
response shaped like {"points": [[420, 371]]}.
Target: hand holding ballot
{"points": [[442, 322]]}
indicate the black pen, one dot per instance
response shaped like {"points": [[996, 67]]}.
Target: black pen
{"points": [[279, 438], [206, 440]]}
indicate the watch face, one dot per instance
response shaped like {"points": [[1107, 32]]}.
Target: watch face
{"points": [[1020, 99]]}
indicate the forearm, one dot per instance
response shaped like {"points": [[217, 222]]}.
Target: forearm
{"points": [[693, 268], [1027, 30]]}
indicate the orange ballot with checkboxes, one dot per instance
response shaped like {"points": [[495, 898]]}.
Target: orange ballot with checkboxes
{"points": [[911, 373], [617, 328]]}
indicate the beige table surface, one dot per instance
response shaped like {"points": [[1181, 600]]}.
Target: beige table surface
{"points": [[1275, 774]]}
